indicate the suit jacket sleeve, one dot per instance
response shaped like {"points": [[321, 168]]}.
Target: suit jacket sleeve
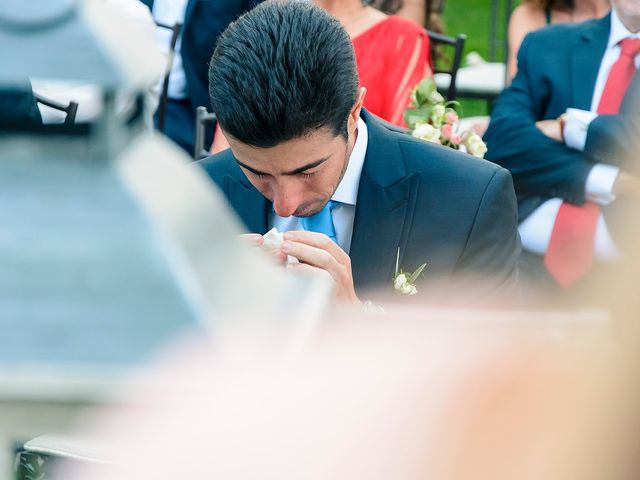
{"points": [[613, 138], [493, 246], [539, 165]]}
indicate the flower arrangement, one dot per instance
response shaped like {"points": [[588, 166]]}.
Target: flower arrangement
{"points": [[432, 119]]}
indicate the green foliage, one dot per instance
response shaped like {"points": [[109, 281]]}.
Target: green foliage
{"points": [[473, 18]]}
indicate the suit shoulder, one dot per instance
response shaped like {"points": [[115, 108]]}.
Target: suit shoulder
{"points": [[435, 160], [220, 164], [561, 32]]}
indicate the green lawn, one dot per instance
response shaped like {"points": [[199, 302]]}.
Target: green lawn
{"points": [[473, 18]]}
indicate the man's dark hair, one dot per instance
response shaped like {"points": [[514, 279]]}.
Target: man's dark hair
{"points": [[281, 71]]}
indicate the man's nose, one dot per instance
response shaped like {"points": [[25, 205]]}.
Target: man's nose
{"points": [[285, 201]]}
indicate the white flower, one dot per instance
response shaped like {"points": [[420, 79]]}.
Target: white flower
{"points": [[475, 145], [409, 289], [435, 97], [427, 132], [437, 114], [400, 281], [404, 283]]}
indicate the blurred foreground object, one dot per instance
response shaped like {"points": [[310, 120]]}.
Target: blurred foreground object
{"points": [[112, 243], [463, 396]]}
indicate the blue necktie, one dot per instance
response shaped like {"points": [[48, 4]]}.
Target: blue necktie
{"points": [[321, 222]]}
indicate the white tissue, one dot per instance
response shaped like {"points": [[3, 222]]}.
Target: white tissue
{"points": [[273, 241]]}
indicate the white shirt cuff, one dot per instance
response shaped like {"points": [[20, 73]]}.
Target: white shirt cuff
{"points": [[576, 126], [599, 187]]}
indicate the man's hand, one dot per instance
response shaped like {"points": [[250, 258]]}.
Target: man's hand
{"points": [[315, 250], [252, 239], [551, 128], [255, 240], [626, 185]]}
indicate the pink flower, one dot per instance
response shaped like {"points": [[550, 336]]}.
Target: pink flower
{"points": [[455, 139], [446, 131], [451, 117]]}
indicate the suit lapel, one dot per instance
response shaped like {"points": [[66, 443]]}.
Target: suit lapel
{"points": [[385, 208], [588, 50], [148, 3], [249, 204], [191, 5]]}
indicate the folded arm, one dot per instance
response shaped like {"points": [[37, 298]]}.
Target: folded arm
{"points": [[539, 165]]}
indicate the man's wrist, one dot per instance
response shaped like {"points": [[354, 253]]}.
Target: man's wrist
{"points": [[562, 119]]}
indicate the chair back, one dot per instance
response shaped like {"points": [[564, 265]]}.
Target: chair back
{"points": [[498, 28], [162, 103], [457, 43], [203, 118], [71, 109]]}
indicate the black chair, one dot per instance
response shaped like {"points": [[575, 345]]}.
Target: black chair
{"points": [[203, 119], [499, 26], [71, 109], [162, 104], [450, 90]]}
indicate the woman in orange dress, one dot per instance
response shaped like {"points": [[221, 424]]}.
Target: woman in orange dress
{"points": [[392, 55]]}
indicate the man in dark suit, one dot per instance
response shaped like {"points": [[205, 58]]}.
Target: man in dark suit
{"points": [[307, 159], [18, 107], [564, 129], [203, 21]]}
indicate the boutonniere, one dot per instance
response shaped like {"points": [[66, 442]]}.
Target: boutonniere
{"points": [[404, 283]]}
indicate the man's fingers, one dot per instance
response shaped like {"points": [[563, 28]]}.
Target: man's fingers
{"points": [[315, 256], [317, 240], [252, 239], [304, 268]]}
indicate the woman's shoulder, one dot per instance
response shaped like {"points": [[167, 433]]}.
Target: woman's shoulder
{"points": [[404, 25], [525, 18]]}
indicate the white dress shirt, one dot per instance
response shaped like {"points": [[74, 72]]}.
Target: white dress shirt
{"points": [[345, 195], [170, 12], [536, 230]]}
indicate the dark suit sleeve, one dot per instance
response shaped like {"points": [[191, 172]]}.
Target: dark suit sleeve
{"points": [[539, 165], [18, 107], [613, 138], [493, 246]]}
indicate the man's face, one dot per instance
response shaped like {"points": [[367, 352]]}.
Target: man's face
{"points": [[629, 13], [299, 176]]}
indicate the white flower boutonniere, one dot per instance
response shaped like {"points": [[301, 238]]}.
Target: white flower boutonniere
{"points": [[404, 283]]}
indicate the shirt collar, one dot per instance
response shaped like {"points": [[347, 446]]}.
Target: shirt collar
{"points": [[618, 30], [347, 191]]}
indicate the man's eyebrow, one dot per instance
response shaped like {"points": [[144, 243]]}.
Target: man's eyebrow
{"points": [[252, 170], [304, 168]]}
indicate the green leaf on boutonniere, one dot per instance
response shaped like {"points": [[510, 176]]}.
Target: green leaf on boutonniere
{"points": [[416, 274]]}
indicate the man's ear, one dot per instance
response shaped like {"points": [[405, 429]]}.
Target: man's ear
{"points": [[355, 110]]}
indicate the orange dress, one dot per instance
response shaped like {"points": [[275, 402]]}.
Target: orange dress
{"points": [[392, 57]]}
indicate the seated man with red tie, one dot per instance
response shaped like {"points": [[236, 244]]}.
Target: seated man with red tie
{"points": [[565, 130]]}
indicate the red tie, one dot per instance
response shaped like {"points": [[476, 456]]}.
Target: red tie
{"points": [[620, 77], [570, 252]]}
